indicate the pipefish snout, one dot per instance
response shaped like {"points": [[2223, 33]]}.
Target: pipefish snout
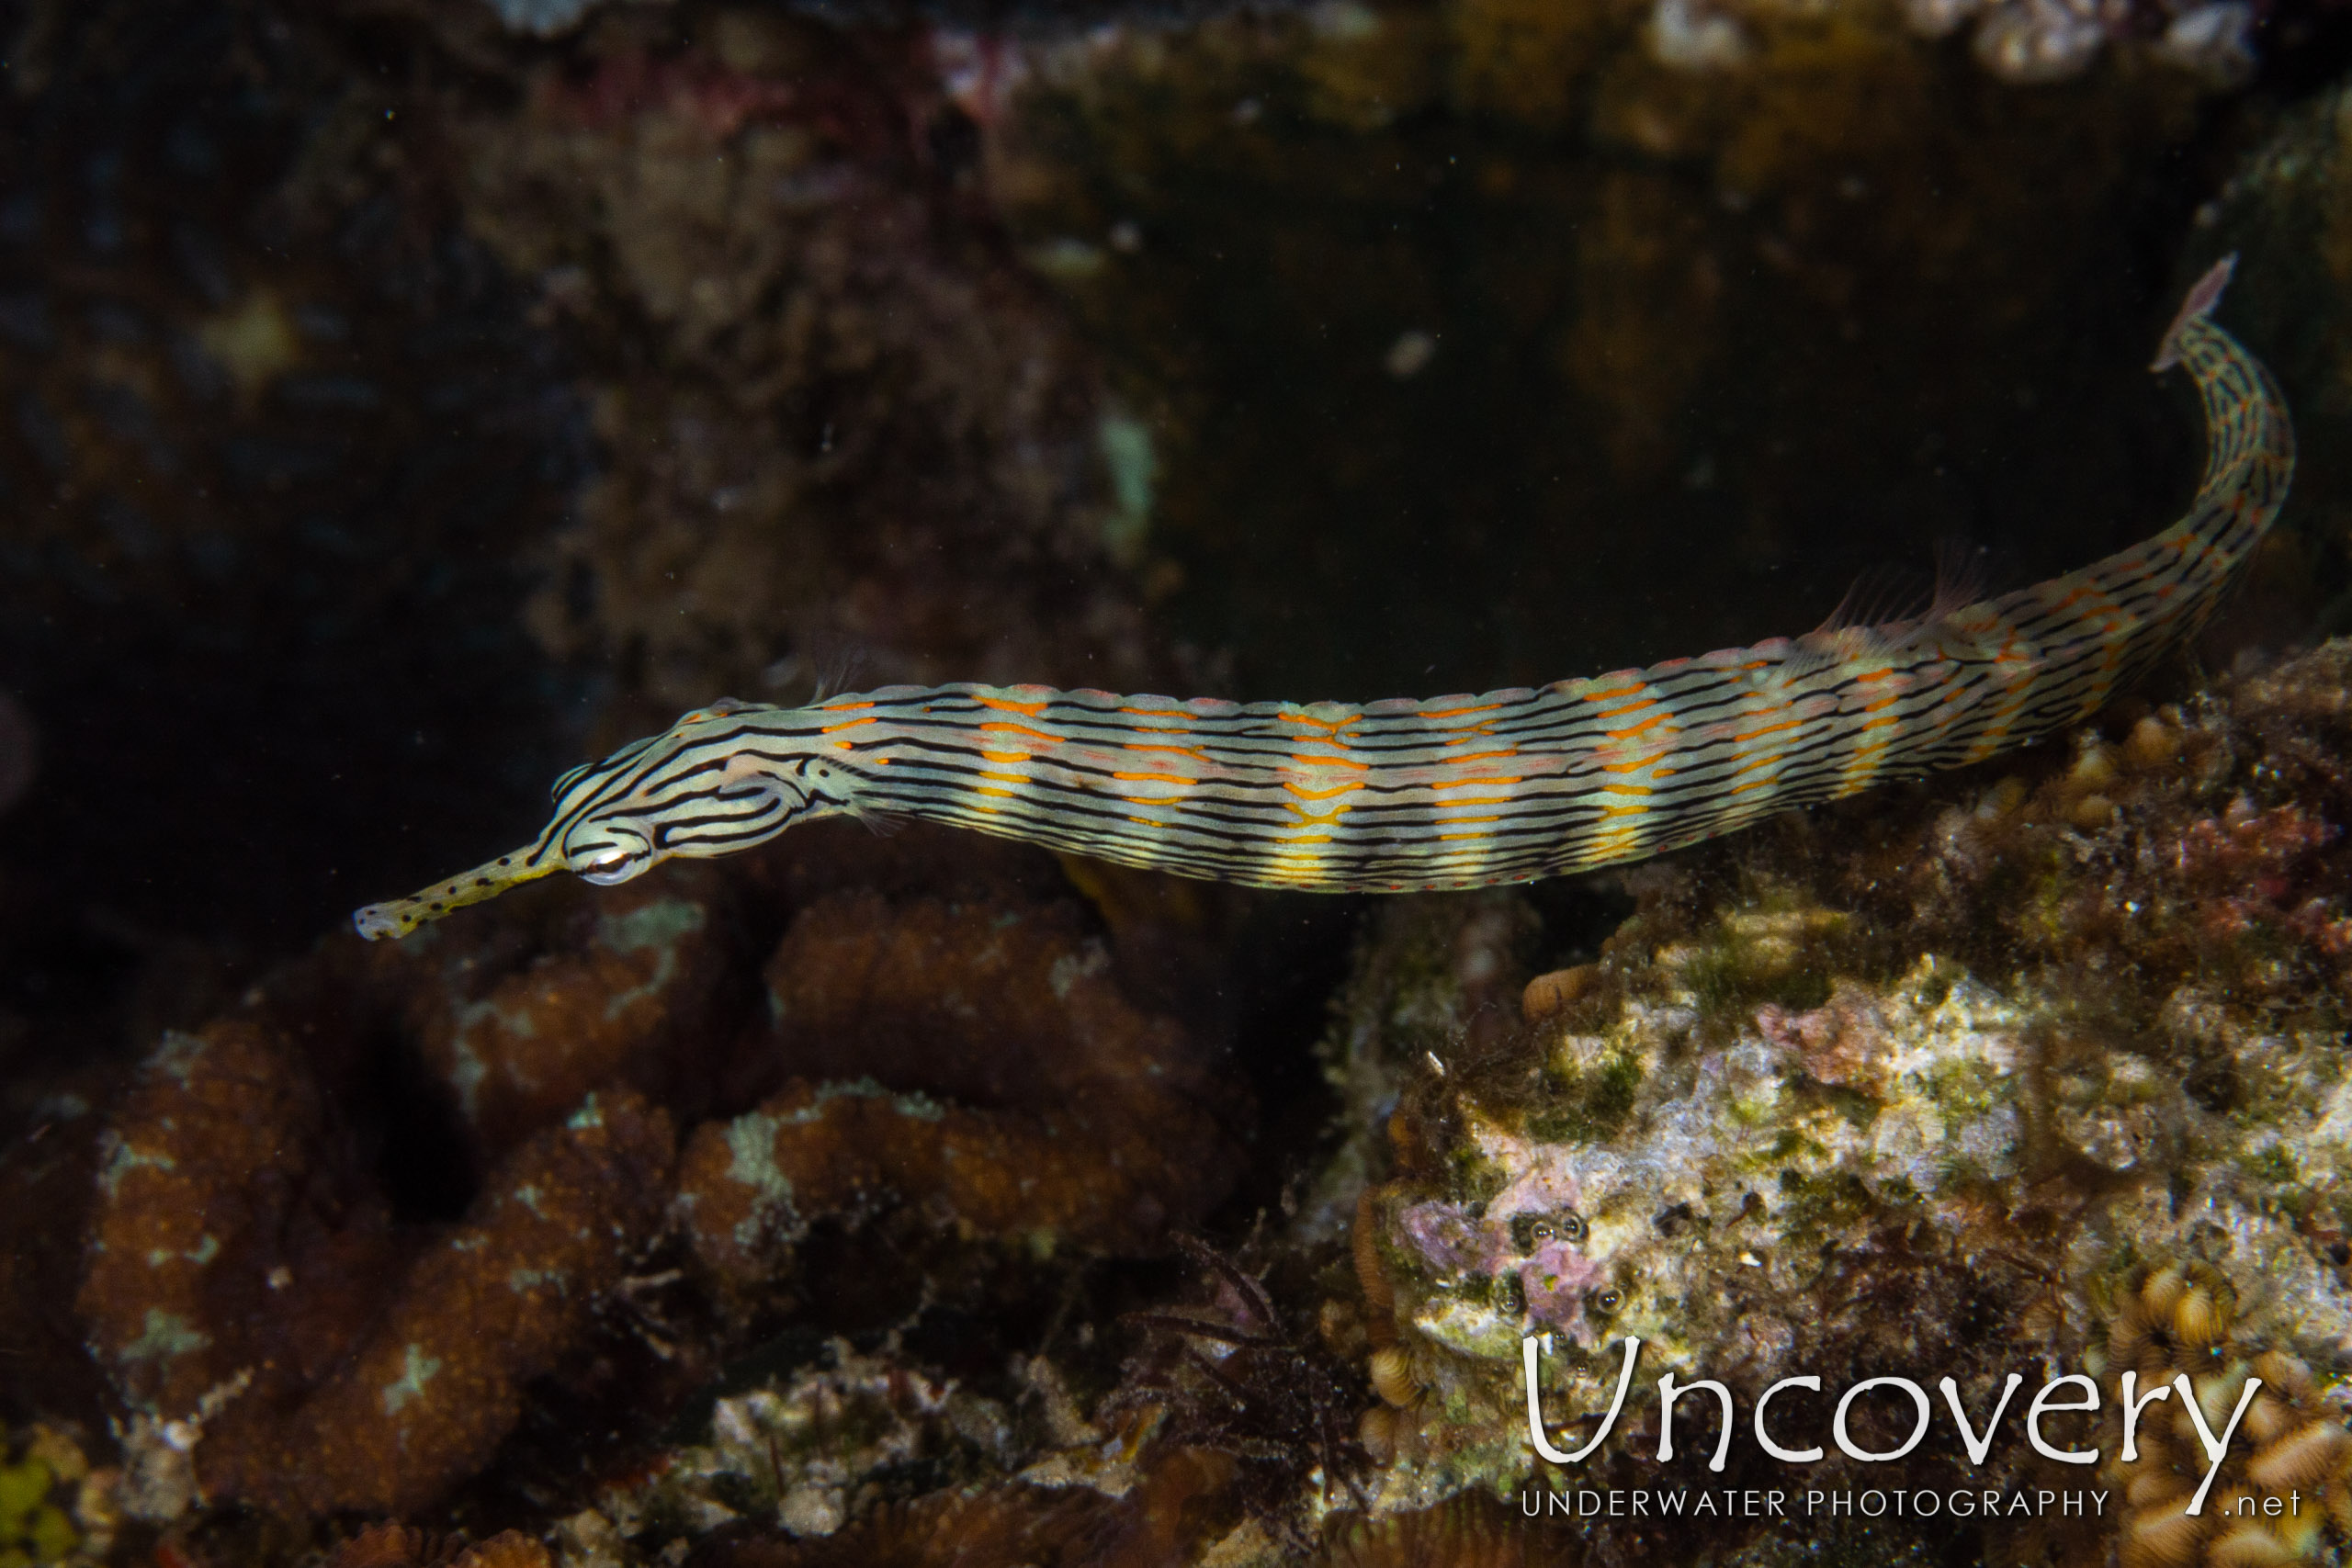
{"points": [[1452, 791]]}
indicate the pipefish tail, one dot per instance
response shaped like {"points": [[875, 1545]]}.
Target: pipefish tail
{"points": [[1453, 792]]}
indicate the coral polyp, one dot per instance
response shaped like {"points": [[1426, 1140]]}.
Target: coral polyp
{"points": [[2282, 1494]]}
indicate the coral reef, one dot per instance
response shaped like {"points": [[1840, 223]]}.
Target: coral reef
{"points": [[1859, 1093], [397, 1546], [520, 1021], [2272, 1503], [807, 1455], [1166, 1517], [334, 1235], [402, 396], [836, 419], [282, 1343], [976, 1058]]}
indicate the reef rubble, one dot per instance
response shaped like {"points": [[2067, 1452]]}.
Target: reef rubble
{"points": [[1929, 1091]]}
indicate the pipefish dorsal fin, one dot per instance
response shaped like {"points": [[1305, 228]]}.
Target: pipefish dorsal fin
{"points": [[1885, 611]]}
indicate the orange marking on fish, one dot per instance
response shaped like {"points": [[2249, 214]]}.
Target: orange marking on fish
{"points": [[1002, 728], [1650, 723], [1296, 788], [1154, 778], [1030, 710]]}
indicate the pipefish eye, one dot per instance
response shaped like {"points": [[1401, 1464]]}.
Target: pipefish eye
{"points": [[609, 852], [613, 865]]}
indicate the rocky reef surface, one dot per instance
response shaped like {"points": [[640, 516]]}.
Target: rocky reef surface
{"points": [[405, 397], [2041, 1068], [807, 1162]]}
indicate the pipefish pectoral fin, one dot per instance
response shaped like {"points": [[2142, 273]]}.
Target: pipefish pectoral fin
{"points": [[398, 917]]}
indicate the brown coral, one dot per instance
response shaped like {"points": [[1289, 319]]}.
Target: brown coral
{"points": [[1175, 1505], [978, 1060], [401, 1546], [1463, 1533], [520, 1018], [307, 1326], [2283, 1484], [329, 1360]]}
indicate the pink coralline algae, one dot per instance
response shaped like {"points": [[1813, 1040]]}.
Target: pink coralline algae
{"points": [[1529, 1234], [1841, 1042]]}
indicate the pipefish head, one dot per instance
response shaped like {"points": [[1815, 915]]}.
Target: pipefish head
{"points": [[722, 778]]}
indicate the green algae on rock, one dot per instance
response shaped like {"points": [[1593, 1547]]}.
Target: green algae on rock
{"points": [[1863, 1096]]}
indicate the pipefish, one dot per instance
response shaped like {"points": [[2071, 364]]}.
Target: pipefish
{"points": [[1452, 791]]}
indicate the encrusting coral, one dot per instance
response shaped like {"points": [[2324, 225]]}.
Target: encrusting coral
{"points": [[335, 1234], [1063, 1115], [279, 1337]]}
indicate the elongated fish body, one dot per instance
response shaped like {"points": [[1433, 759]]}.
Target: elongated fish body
{"points": [[1452, 791]]}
